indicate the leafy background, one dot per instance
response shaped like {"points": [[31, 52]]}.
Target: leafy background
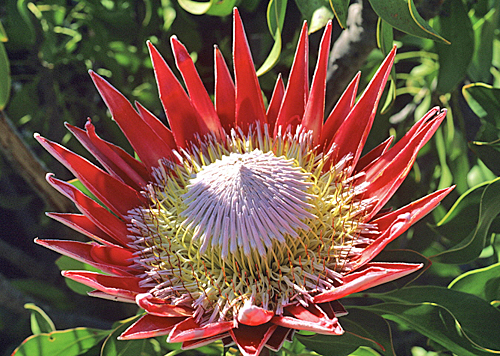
{"points": [[449, 55]]}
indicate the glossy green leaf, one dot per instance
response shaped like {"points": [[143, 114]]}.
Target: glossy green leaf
{"points": [[212, 7], [484, 100], [275, 20], [461, 322], [3, 34], [489, 153], [39, 320], [114, 347], [316, 12], [365, 351], [5, 80], [222, 7], [71, 342], [403, 15], [454, 59], [340, 8], [363, 328], [66, 263], [471, 246], [482, 282], [484, 34]]}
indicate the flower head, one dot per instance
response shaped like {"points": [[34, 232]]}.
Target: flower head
{"points": [[240, 223]]}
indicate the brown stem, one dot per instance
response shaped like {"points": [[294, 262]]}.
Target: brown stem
{"points": [[28, 166], [350, 50]]}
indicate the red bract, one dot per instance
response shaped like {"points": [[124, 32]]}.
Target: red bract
{"points": [[240, 224]]}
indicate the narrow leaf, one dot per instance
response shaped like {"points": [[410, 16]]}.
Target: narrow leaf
{"points": [[40, 321], [70, 342], [403, 15]]}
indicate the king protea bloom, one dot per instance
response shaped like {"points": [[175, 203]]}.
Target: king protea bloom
{"points": [[238, 222]]}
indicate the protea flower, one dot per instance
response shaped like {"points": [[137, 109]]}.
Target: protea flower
{"points": [[240, 223]]}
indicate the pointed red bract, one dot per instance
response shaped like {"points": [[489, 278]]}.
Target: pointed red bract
{"points": [[275, 103], [397, 222], [131, 124], [297, 89], [157, 126], [114, 159], [127, 287], [370, 275], [252, 339], [149, 326], [189, 329], [101, 217], [372, 156], [185, 122], [352, 134], [385, 180], [339, 112], [109, 259], [315, 109], [160, 307], [197, 92], [249, 104], [118, 196], [225, 101], [310, 319], [83, 225]]}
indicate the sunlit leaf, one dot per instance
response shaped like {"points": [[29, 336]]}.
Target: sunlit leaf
{"points": [[66, 263], [340, 8], [316, 12], [489, 153], [275, 19], [363, 328], [39, 320], [403, 15], [454, 58], [70, 342], [212, 7], [482, 282], [114, 347], [461, 322], [484, 100], [484, 33], [5, 80], [470, 247]]}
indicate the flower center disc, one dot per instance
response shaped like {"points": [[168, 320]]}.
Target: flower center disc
{"points": [[246, 200]]}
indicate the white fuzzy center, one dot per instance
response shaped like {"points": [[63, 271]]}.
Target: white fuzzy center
{"points": [[245, 201]]}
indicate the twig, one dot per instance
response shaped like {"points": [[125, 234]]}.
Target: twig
{"points": [[351, 49], [28, 166]]}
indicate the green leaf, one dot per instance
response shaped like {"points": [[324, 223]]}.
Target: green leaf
{"points": [[461, 322], [454, 59], [489, 153], [3, 34], [316, 12], [403, 15], [484, 100], [471, 246], [275, 20], [5, 80], [71, 342], [40, 321], [66, 263], [114, 347], [482, 282], [212, 7], [340, 8], [363, 328], [484, 33]]}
